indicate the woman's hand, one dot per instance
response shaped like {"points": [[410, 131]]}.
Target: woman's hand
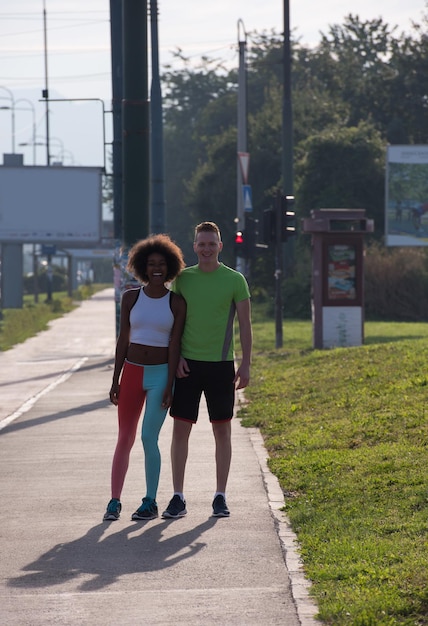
{"points": [[114, 393], [166, 399]]}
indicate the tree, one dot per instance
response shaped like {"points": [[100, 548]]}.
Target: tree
{"points": [[359, 88], [361, 72], [408, 94], [343, 168], [188, 96]]}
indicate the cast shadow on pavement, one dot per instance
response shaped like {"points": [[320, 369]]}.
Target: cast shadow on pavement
{"points": [[93, 364], [136, 548], [58, 415]]}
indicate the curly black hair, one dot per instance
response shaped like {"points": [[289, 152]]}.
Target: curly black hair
{"points": [[160, 244]]}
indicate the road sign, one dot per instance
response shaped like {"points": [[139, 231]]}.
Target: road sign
{"points": [[48, 250], [244, 162], [248, 198]]}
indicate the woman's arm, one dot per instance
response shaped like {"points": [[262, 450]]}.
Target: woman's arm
{"points": [[128, 299]]}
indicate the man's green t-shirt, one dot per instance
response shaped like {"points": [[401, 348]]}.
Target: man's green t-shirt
{"points": [[211, 299]]}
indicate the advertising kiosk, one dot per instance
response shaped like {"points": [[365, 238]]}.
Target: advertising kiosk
{"points": [[337, 275]]}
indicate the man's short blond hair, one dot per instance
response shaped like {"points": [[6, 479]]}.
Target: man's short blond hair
{"points": [[207, 227]]}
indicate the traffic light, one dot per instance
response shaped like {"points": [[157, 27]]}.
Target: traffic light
{"points": [[268, 230], [288, 218], [285, 206], [250, 236], [240, 243]]}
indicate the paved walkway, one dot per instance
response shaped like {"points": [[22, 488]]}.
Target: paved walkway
{"points": [[60, 564]]}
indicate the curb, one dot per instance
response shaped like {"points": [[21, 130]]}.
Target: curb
{"points": [[300, 586]]}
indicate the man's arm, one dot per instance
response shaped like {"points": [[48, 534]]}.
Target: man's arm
{"points": [[243, 310]]}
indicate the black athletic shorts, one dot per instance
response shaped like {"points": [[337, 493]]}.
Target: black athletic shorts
{"points": [[215, 380]]}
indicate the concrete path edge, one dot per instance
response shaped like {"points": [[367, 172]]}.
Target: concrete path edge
{"points": [[300, 585]]}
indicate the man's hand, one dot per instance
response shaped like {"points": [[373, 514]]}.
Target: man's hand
{"points": [[242, 378], [182, 368]]}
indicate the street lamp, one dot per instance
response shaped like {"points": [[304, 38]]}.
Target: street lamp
{"points": [[38, 140], [12, 109], [63, 154], [33, 110], [103, 117]]}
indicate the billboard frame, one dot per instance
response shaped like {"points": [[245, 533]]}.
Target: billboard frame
{"points": [[406, 195], [56, 205]]}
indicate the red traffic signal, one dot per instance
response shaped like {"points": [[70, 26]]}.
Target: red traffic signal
{"points": [[239, 238], [240, 244]]}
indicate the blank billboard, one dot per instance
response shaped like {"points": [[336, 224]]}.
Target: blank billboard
{"points": [[50, 204]]}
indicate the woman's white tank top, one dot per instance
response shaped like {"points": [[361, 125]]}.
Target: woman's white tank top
{"points": [[151, 320]]}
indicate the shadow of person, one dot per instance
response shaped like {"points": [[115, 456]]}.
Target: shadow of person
{"points": [[136, 548]]}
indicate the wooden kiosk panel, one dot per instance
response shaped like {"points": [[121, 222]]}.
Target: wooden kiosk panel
{"points": [[337, 275]]}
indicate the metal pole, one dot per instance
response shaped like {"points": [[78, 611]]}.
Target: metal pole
{"points": [[157, 211], [242, 134], [117, 88], [104, 118], [136, 123], [242, 118], [278, 273], [46, 89], [12, 112], [33, 110], [287, 131]]}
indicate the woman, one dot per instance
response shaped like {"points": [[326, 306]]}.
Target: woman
{"points": [[147, 352]]}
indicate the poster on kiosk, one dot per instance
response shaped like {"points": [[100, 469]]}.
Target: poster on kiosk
{"points": [[337, 275]]}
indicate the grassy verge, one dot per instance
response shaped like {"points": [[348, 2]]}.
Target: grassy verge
{"points": [[347, 436], [17, 325]]}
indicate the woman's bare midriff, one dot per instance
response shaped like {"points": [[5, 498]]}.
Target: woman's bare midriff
{"points": [[146, 355]]}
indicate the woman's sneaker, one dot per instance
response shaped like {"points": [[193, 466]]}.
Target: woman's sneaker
{"points": [[147, 510], [220, 507], [113, 510], [176, 508]]}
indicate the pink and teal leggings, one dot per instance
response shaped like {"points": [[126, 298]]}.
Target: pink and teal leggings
{"points": [[139, 384]]}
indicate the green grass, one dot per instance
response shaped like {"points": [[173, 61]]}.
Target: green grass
{"points": [[17, 325], [347, 435]]}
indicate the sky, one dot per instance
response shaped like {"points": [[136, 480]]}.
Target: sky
{"points": [[78, 58]]}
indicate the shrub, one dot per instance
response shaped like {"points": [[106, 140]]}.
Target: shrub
{"points": [[396, 283]]}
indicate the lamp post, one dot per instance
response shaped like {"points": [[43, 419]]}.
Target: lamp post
{"points": [[63, 154], [41, 141], [33, 110], [157, 208], [242, 154], [12, 109], [103, 118]]}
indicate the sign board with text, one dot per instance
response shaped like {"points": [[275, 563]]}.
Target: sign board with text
{"points": [[406, 196]]}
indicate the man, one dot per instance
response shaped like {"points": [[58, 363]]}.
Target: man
{"points": [[214, 293]]}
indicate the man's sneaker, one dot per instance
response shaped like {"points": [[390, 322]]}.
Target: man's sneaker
{"points": [[113, 510], [176, 508], [147, 510], [220, 507]]}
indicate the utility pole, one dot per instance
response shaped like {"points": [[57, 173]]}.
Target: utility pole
{"points": [[117, 90], [116, 37], [279, 265], [45, 92], [243, 156], [287, 181], [136, 123], [157, 211], [287, 130]]}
